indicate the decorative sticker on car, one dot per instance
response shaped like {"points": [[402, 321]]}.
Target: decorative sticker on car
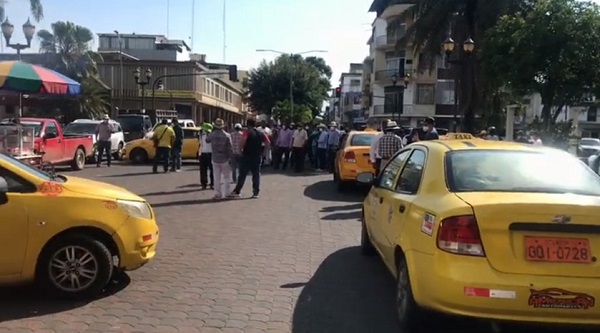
{"points": [[110, 205], [556, 298], [390, 214], [51, 189], [427, 224]]}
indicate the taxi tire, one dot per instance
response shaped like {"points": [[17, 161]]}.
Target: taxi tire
{"points": [[96, 248], [410, 315], [138, 156], [366, 247]]}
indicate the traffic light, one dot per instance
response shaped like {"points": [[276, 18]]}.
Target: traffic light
{"points": [[338, 92], [160, 85]]}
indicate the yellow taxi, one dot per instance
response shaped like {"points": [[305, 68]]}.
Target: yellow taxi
{"points": [[69, 234], [489, 229], [142, 150], [352, 158]]}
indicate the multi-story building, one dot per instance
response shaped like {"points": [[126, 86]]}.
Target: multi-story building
{"points": [[393, 86], [350, 101], [146, 47]]}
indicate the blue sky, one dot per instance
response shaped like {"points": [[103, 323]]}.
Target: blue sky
{"points": [[341, 27]]}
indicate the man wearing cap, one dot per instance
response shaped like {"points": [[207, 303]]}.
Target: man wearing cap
{"points": [[236, 146], [222, 154], [389, 143], [104, 132], [429, 129], [177, 145], [333, 145], [205, 157]]}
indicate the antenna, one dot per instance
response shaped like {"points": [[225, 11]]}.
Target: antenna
{"points": [[168, 16], [193, 23], [224, 30]]}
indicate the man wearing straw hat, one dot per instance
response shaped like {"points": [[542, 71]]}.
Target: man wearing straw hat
{"points": [[222, 154]]}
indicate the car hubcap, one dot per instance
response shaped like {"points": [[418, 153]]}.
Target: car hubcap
{"points": [[73, 268], [402, 292]]}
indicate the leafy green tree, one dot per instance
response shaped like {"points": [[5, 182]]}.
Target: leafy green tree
{"points": [[553, 51], [269, 83], [435, 20], [69, 48], [283, 111], [35, 7]]}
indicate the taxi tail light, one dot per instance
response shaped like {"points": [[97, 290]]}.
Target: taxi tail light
{"points": [[350, 157], [460, 235]]}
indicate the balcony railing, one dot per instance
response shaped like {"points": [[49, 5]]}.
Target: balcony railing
{"points": [[386, 41], [391, 74]]}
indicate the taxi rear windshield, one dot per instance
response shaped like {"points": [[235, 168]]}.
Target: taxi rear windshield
{"points": [[361, 139], [519, 171]]}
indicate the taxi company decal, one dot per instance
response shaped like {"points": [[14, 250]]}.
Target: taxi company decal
{"points": [[555, 298], [110, 205], [490, 293], [390, 214], [428, 224], [50, 189]]}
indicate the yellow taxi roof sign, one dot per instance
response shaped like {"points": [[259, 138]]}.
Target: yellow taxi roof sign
{"points": [[457, 136]]}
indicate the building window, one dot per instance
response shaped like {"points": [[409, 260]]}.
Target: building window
{"points": [[592, 114], [140, 43], [444, 92], [425, 94], [104, 42], [354, 83]]}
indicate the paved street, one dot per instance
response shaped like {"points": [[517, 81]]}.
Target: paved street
{"points": [[287, 262]]}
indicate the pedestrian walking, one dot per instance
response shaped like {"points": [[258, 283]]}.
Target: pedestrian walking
{"points": [[104, 132], [236, 147], [205, 156], [177, 145], [322, 142], [299, 140], [429, 129], [333, 144], [284, 145], [251, 159], [222, 154], [389, 143], [163, 139]]}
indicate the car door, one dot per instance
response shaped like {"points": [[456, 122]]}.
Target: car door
{"points": [[54, 148], [400, 203], [14, 224], [339, 155], [379, 197], [190, 146]]}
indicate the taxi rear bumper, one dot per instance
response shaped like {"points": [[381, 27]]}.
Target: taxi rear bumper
{"points": [[350, 174], [469, 286]]}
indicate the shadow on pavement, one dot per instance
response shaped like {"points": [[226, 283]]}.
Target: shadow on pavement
{"points": [[347, 212], [27, 301], [339, 208], [326, 191], [194, 202], [196, 189]]}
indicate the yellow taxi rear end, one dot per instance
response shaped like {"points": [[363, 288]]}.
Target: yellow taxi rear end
{"points": [[353, 157], [526, 250]]}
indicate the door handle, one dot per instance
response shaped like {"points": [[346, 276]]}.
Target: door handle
{"points": [[402, 208], [380, 200]]}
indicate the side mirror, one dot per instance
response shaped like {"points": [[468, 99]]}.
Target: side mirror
{"points": [[3, 191], [365, 178]]}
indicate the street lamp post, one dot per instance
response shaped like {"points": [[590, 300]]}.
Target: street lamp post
{"points": [[449, 47], [291, 55], [397, 105], [137, 74], [8, 29], [120, 68]]}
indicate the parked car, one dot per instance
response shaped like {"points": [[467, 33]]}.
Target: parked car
{"points": [[142, 150], [185, 123], [88, 127], [135, 126], [56, 147]]}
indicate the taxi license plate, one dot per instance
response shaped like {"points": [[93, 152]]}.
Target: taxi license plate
{"points": [[558, 249]]}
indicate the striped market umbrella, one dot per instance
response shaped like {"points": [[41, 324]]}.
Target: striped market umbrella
{"points": [[26, 78]]}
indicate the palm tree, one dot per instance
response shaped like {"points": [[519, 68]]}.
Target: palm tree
{"points": [[436, 20], [35, 7], [69, 51]]}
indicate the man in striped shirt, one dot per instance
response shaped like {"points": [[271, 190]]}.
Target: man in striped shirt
{"points": [[389, 143], [236, 144]]}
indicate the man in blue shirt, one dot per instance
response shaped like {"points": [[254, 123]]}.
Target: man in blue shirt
{"points": [[322, 145], [333, 144]]}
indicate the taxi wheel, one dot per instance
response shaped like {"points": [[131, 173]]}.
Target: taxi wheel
{"points": [[409, 313], [75, 267], [366, 246], [138, 156]]}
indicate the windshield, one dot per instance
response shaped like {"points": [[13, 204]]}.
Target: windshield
{"points": [[131, 123], [518, 171], [36, 125], [25, 167], [590, 142], [80, 128], [361, 140]]}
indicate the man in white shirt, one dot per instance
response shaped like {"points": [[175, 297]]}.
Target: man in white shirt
{"points": [[299, 148], [205, 156], [263, 128], [374, 153]]}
